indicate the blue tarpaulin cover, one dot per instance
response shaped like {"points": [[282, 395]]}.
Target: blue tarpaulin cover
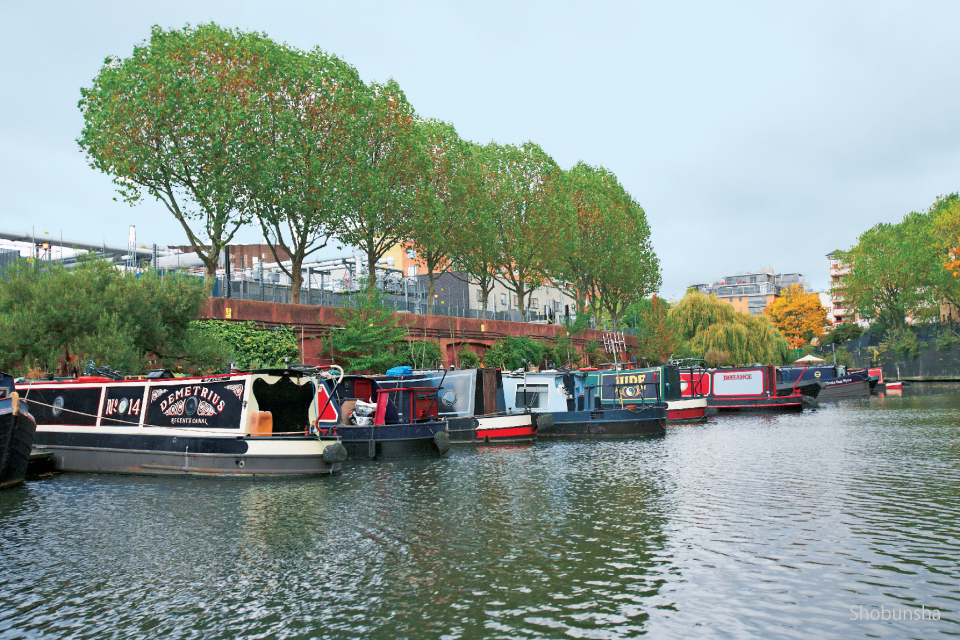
{"points": [[400, 371]]}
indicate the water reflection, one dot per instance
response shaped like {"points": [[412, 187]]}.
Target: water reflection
{"points": [[768, 526]]}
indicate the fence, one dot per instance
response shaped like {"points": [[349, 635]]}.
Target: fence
{"points": [[414, 301], [936, 355]]}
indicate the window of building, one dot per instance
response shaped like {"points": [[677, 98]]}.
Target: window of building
{"points": [[503, 299], [533, 303], [753, 278], [514, 299], [479, 296]]}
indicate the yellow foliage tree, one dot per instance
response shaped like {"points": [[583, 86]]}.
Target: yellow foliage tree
{"points": [[798, 315]]}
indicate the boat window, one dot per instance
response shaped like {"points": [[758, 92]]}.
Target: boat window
{"points": [[288, 401], [64, 405], [535, 397]]}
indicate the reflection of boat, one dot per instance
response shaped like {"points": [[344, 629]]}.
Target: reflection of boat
{"points": [[836, 381], [749, 389], [404, 423], [17, 429], [565, 406], [622, 385], [472, 402], [233, 424]]}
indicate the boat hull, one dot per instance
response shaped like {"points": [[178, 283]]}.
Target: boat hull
{"points": [[773, 404], [425, 439], [17, 432], [692, 410], [511, 429], [187, 455], [845, 389], [603, 423]]}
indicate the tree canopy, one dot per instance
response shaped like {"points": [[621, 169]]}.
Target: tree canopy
{"points": [[57, 318], [798, 315], [172, 120], [712, 329]]}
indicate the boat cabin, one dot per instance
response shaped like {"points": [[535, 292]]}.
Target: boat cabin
{"points": [[257, 403]]}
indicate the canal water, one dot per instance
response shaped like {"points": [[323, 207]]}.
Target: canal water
{"points": [[793, 526]]}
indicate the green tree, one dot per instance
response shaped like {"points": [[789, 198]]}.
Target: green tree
{"points": [[609, 261], [892, 271], [419, 354], [709, 326], [512, 352], [369, 337], [55, 317], [841, 333], [302, 162], [444, 204], [391, 168], [533, 217], [656, 339], [473, 238], [468, 359], [172, 120], [252, 347]]}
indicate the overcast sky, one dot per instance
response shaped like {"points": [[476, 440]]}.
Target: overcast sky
{"points": [[753, 134]]}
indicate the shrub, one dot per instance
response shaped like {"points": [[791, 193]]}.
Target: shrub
{"points": [[468, 359]]}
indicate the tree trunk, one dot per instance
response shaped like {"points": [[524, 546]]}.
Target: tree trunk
{"points": [[210, 274], [521, 304], [296, 279], [371, 267], [431, 287]]}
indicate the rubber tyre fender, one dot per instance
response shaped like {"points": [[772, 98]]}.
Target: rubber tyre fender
{"points": [[545, 422], [442, 441], [334, 453]]}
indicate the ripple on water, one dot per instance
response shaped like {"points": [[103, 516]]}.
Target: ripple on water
{"points": [[768, 526]]}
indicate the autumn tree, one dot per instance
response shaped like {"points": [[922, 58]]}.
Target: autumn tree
{"points": [[390, 168], [656, 338], [302, 163], [171, 121], [798, 315], [444, 204], [533, 216]]}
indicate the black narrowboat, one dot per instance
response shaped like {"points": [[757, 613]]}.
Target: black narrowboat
{"points": [[17, 432]]}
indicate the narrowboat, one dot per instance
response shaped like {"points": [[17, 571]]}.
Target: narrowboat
{"points": [[17, 432], [623, 385], [235, 424], [835, 381], [473, 404], [565, 406], [748, 389], [401, 422]]}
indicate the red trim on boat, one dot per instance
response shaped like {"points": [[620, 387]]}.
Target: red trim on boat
{"points": [[493, 434], [687, 414]]}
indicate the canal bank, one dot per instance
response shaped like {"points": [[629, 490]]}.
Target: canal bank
{"points": [[745, 526]]}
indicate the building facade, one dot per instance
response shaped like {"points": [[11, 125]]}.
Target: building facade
{"points": [[839, 313], [751, 292]]}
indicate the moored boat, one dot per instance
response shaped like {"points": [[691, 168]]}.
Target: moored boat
{"points": [[831, 382], [565, 406], [17, 432], [235, 424], [621, 385], [400, 422], [473, 404], [749, 389]]}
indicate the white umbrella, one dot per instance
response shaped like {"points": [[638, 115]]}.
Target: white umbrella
{"points": [[810, 358]]}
